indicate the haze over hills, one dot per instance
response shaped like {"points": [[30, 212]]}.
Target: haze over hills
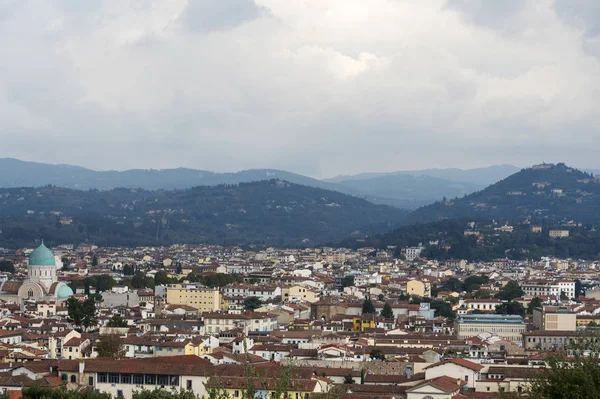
{"points": [[269, 212], [547, 191], [408, 190], [478, 176]]}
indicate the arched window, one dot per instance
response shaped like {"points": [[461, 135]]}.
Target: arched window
{"points": [[64, 377], [73, 379], [30, 293]]}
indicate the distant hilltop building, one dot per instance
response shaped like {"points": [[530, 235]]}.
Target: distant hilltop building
{"points": [[558, 233], [41, 283], [543, 166]]}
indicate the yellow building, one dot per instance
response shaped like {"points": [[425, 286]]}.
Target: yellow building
{"points": [[418, 288], [359, 323], [298, 293], [203, 299]]}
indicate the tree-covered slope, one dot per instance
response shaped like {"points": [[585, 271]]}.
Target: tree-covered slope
{"points": [[553, 192], [270, 212]]}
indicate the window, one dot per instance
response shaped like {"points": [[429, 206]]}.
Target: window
{"points": [[113, 378], [73, 379], [150, 379], [236, 394], [102, 377], [91, 381], [138, 379], [64, 377], [188, 384], [163, 380], [125, 378], [119, 393]]}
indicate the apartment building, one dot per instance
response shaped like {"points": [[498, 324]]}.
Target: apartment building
{"points": [[551, 288], [550, 340], [121, 378], [201, 298], [508, 327], [554, 318], [216, 322]]}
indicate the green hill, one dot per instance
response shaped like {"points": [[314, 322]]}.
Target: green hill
{"points": [[553, 192], [270, 212]]}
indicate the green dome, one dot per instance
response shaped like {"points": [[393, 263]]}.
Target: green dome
{"points": [[64, 292], [41, 256]]}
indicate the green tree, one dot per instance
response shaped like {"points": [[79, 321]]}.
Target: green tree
{"points": [[128, 270], [534, 303], [563, 296], [472, 283], [161, 278], [482, 294], [252, 303], [110, 346], [380, 297], [443, 309], [94, 261], [75, 312], [387, 311], [179, 268], [368, 307], [512, 307], [377, 354], [7, 266], [578, 288], [90, 317], [104, 282], [453, 284], [572, 378], [348, 379], [164, 394], [117, 321], [510, 291], [348, 281], [37, 392], [139, 280]]}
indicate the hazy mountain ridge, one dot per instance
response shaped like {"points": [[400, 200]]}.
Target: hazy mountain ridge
{"points": [[479, 176], [408, 190], [268, 212]]}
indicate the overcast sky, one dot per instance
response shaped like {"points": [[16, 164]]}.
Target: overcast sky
{"points": [[319, 87]]}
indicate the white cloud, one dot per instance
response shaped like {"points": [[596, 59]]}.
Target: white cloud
{"points": [[319, 87]]}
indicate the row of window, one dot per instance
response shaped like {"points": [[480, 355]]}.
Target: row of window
{"points": [[138, 379]]}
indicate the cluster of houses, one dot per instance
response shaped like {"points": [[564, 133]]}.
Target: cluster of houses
{"points": [[356, 324]]}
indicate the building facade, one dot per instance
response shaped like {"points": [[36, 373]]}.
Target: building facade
{"points": [[508, 327]]}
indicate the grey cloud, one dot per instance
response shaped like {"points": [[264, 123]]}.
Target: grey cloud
{"points": [[492, 14], [316, 87], [583, 13], [216, 15]]}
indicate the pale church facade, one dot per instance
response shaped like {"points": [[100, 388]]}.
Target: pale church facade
{"points": [[41, 283]]}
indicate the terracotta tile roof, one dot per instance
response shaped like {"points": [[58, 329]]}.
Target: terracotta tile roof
{"points": [[459, 362], [11, 287], [301, 385], [444, 383], [167, 365]]}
